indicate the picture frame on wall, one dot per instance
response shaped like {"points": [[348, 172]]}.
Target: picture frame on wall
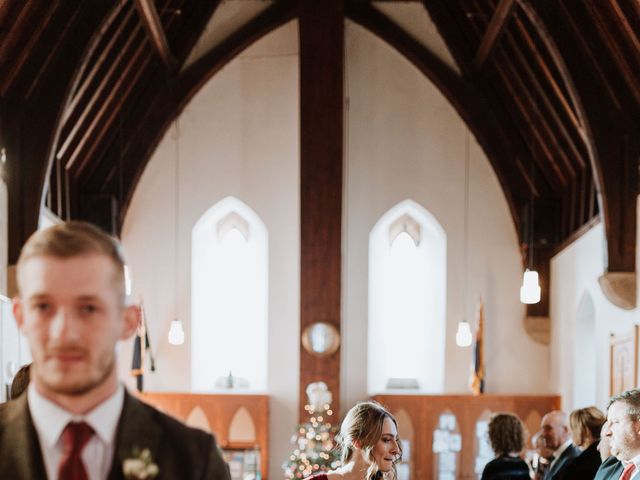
{"points": [[623, 364]]}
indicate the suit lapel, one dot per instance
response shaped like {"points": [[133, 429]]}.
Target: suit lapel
{"points": [[560, 462], [136, 430], [21, 454]]}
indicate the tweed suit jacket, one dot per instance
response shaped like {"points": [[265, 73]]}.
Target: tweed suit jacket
{"points": [[179, 451]]}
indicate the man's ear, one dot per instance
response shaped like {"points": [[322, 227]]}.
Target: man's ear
{"points": [[18, 311], [131, 320]]}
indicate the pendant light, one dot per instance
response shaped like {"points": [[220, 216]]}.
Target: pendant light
{"points": [[530, 289], [463, 335], [176, 331]]}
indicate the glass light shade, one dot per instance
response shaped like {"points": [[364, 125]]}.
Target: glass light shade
{"points": [[463, 335], [530, 289], [176, 332]]}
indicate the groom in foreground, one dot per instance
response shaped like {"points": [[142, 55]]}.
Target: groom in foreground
{"points": [[76, 420]]}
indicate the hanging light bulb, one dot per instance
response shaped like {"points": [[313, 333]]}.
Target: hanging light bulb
{"points": [[176, 332], [464, 338], [463, 335], [530, 289]]}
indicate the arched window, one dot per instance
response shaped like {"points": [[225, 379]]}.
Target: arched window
{"points": [[229, 285], [407, 296], [584, 361]]}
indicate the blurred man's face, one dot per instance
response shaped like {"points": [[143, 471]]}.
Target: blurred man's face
{"points": [[70, 310], [554, 432], [604, 448], [623, 433]]}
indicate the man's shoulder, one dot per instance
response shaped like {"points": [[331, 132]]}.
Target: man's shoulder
{"points": [[180, 451], [610, 468]]}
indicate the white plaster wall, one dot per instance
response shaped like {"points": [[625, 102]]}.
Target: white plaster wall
{"points": [[575, 271], [404, 140], [238, 136]]}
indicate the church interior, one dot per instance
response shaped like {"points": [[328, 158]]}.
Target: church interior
{"points": [[340, 191]]}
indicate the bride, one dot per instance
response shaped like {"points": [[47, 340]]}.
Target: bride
{"points": [[370, 445]]}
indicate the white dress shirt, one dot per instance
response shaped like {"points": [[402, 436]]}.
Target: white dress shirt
{"points": [[49, 420], [636, 472]]}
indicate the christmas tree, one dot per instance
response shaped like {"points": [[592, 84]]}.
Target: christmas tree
{"points": [[313, 441]]}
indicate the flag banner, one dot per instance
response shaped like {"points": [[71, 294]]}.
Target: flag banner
{"points": [[477, 375], [140, 345]]}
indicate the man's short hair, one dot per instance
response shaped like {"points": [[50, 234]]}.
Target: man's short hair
{"points": [[73, 239], [632, 399]]}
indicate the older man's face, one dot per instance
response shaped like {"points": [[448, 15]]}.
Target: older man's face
{"points": [[623, 432], [554, 431]]}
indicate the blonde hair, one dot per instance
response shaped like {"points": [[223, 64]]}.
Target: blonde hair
{"points": [[585, 422], [363, 426], [73, 239]]}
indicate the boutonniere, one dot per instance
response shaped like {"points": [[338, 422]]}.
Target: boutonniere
{"points": [[140, 466]]}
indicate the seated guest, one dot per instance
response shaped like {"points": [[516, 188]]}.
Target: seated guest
{"points": [[20, 381], [556, 435], [623, 434], [370, 445], [603, 445], [611, 467], [585, 424], [506, 435]]}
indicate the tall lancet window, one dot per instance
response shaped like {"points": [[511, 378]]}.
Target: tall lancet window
{"points": [[229, 304], [407, 301]]}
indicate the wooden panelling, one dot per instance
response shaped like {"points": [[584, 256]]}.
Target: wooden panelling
{"points": [[424, 412], [220, 411]]}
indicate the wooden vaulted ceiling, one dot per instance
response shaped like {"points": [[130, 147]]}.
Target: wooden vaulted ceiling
{"points": [[550, 89]]}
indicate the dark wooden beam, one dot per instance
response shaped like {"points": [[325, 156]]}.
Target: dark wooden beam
{"points": [[32, 123], [613, 139], [563, 120], [147, 127], [494, 30], [99, 69], [157, 37], [321, 151], [24, 52]]}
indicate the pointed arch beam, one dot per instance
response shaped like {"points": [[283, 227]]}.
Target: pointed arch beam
{"points": [[169, 102], [505, 157]]}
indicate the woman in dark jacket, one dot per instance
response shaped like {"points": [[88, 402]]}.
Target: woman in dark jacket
{"points": [[585, 425], [506, 435]]}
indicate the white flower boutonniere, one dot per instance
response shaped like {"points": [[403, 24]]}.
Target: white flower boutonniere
{"points": [[140, 466]]}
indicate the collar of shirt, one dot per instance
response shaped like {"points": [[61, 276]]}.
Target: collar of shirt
{"points": [[50, 419], [560, 450], [636, 461]]}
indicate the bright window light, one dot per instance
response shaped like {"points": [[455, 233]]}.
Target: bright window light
{"points": [[229, 304], [407, 295]]}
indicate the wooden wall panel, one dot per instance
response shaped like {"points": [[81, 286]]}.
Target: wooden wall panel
{"points": [[220, 410], [424, 412]]}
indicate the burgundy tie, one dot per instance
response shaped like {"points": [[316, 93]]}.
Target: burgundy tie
{"points": [[74, 437], [628, 471]]}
